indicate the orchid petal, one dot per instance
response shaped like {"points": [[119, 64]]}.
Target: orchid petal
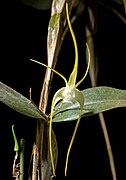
{"points": [[79, 97], [73, 75], [76, 96], [88, 66], [57, 97], [51, 69]]}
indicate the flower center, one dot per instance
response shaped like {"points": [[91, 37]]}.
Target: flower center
{"points": [[69, 94]]}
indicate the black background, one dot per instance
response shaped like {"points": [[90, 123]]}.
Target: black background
{"points": [[23, 36]]}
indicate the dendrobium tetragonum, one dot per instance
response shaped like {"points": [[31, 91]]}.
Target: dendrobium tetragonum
{"points": [[69, 93]]}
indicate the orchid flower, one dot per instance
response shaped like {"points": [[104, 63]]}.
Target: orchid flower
{"points": [[69, 93]]}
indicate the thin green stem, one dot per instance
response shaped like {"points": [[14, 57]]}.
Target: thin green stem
{"points": [[22, 148]]}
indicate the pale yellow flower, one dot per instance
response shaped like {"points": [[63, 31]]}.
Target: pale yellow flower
{"points": [[69, 93]]}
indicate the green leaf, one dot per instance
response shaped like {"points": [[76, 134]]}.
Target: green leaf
{"points": [[18, 102], [38, 4], [96, 100]]}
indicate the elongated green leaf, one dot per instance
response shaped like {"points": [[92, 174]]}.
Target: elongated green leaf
{"points": [[18, 102], [97, 99]]}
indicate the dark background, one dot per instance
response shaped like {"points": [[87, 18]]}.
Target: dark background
{"points": [[23, 36]]}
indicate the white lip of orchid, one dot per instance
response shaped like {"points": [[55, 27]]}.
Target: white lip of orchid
{"points": [[69, 93]]}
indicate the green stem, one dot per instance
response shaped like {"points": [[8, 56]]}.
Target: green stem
{"points": [[22, 144]]}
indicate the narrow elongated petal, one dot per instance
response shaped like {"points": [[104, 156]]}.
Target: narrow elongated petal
{"points": [[57, 97], [80, 99], [73, 75], [51, 69], [88, 66]]}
